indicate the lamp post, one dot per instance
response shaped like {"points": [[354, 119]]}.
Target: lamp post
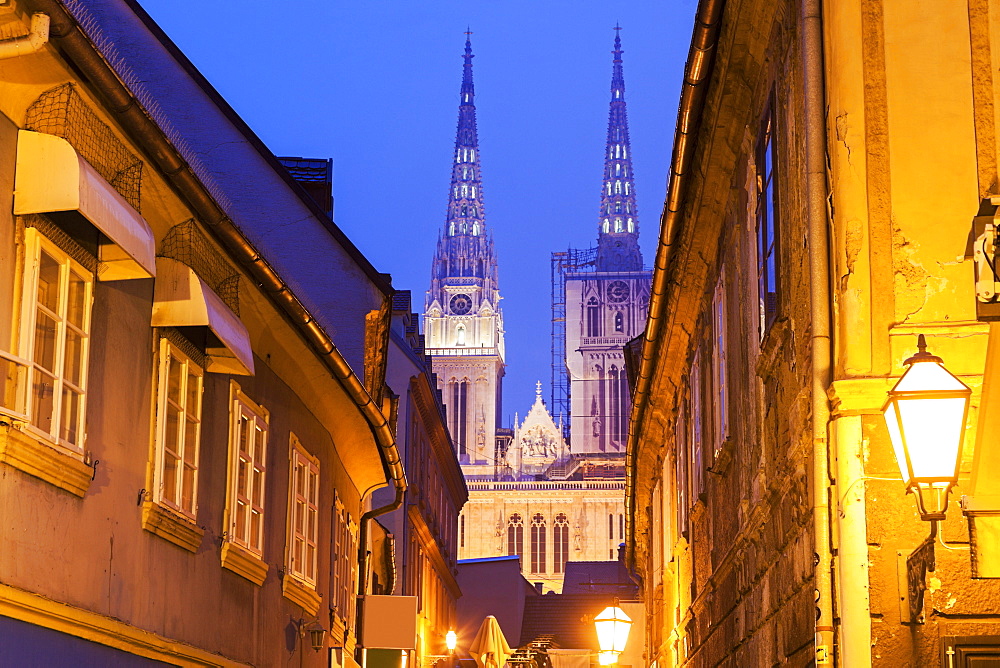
{"points": [[925, 414], [613, 626]]}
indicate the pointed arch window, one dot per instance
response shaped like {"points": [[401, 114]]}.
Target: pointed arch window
{"points": [[538, 543], [457, 410], [618, 224], [631, 225], [607, 225], [618, 186], [560, 543], [628, 188], [593, 317], [619, 322], [618, 169], [609, 188], [460, 335], [475, 229], [515, 535]]}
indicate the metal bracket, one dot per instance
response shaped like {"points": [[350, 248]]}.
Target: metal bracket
{"points": [[912, 572]]}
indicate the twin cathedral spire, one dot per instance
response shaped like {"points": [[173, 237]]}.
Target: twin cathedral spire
{"points": [[618, 226]]}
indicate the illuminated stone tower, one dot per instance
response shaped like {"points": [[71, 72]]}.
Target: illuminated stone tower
{"points": [[607, 296], [463, 323]]}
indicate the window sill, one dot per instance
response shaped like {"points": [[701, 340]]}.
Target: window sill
{"points": [[301, 594], [243, 562], [41, 458], [167, 524]]}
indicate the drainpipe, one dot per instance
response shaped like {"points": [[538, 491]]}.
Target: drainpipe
{"points": [[697, 73], [819, 289], [27, 44]]}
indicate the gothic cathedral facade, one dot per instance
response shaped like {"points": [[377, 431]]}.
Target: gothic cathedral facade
{"points": [[533, 492]]}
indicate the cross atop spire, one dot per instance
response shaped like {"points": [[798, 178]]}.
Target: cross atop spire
{"points": [[618, 224]]}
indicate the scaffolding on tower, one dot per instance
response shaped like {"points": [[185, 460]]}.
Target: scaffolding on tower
{"points": [[570, 261]]}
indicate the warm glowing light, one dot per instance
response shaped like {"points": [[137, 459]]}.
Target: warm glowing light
{"points": [[450, 639], [925, 415], [613, 626]]}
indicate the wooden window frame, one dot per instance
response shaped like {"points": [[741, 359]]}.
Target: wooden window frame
{"points": [[240, 553], [304, 566], [35, 244]]}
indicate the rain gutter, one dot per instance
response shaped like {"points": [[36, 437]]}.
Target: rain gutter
{"points": [[68, 37], [697, 73]]}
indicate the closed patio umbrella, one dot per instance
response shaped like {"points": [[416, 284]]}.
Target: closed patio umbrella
{"points": [[490, 648]]}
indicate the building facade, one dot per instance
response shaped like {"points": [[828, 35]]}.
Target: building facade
{"points": [[555, 491], [178, 432], [425, 528], [828, 159]]}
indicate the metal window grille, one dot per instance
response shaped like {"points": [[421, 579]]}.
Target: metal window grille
{"points": [[185, 242], [62, 112]]}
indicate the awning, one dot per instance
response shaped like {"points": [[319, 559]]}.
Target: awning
{"points": [[182, 299], [51, 176]]}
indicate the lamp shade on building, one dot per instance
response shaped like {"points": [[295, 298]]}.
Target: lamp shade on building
{"points": [[925, 415], [451, 640], [613, 627]]}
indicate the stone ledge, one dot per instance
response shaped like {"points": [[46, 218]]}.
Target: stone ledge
{"points": [[167, 524], [301, 594], [42, 459], [243, 562]]}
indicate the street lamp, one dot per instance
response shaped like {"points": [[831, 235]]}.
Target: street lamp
{"points": [[451, 640], [612, 626], [925, 414]]}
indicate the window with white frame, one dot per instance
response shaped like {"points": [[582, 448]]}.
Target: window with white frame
{"points": [[345, 554], [719, 359], [248, 472], [178, 430], [55, 339], [303, 504]]}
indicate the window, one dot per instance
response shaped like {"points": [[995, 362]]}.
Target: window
{"points": [[460, 335], [593, 317], [515, 535], [58, 295], [303, 503], [767, 224], [248, 471], [461, 531], [719, 356], [621, 526], [178, 430], [560, 543], [694, 423], [682, 454], [538, 543], [611, 526], [458, 414], [345, 571]]}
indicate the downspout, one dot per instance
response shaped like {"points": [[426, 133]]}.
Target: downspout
{"points": [[36, 38], [697, 72], [819, 289]]}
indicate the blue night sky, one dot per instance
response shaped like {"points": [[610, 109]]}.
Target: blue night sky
{"points": [[374, 85]]}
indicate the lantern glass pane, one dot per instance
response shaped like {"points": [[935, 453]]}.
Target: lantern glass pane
{"points": [[928, 376], [892, 423], [933, 431]]}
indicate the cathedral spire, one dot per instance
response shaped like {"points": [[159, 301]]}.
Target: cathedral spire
{"points": [[465, 249], [465, 199], [618, 224]]}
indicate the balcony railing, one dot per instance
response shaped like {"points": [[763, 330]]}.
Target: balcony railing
{"points": [[466, 351], [14, 388], [605, 340], [543, 485]]}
